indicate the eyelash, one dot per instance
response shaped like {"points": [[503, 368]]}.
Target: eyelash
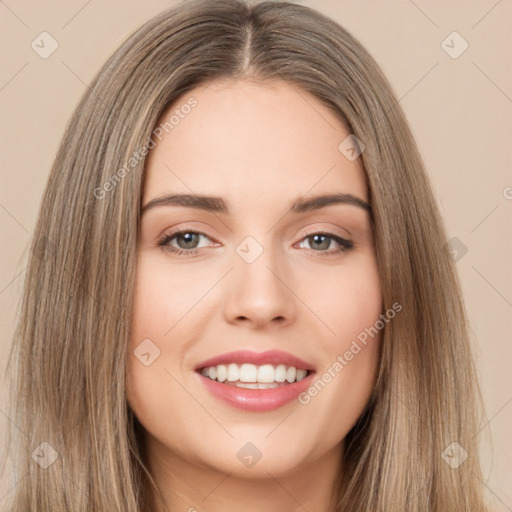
{"points": [[345, 245]]}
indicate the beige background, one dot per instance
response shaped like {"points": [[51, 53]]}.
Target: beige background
{"points": [[459, 109]]}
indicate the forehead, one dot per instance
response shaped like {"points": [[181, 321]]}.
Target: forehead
{"points": [[251, 142]]}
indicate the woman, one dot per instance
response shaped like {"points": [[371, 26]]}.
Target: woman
{"points": [[239, 293]]}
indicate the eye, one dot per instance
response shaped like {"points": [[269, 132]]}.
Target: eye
{"points": [[187, 242], [320, 242]]}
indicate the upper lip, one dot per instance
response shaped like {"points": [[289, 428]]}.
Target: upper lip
{"points": [[274, 357]]}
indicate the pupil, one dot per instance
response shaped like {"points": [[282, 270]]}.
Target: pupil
{"points": [[188, 241], [324, 245]]}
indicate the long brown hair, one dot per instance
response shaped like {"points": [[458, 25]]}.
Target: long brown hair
{"points": [[68, 358]]}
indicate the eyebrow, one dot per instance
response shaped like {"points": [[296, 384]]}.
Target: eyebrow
{"points": [[216, 204]]}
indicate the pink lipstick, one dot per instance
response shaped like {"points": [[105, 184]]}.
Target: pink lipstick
{"points": [[255, 381]]}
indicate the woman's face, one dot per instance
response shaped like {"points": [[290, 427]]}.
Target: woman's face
{"points": [[269, 290]]}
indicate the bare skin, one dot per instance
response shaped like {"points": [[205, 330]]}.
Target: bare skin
{"points": [[259, 147]]}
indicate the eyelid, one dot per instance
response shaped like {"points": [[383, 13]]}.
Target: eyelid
{"points": [[190, 229], [168, 234], [326, 226], [344, 244], [325, 231], [184, 227]]}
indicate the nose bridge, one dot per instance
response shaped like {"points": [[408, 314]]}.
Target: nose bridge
{"points": [[258, 290]]}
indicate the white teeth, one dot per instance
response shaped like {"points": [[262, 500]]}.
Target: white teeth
{"points": [[251, 385], [280, 373], [247, 385], [301, 374], [269, 385], [233, 373], [291, 373], [266, 373], [251, 376], [248, 373], [222, 372]]}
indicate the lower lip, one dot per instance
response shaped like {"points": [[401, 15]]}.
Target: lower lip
{"points": [[257, 400]]}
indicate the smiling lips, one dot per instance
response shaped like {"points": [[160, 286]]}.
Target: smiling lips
{"points": [[254, 377], [255, 381]]}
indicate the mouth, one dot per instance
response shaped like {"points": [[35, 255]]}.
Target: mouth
{"points": [[250, 376], [256, 381]]}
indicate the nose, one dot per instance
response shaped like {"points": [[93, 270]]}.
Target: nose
{"points": [[260, 293]]}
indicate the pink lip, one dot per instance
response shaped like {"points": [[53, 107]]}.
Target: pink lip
{"points": [[256, 400], [274, 357]]}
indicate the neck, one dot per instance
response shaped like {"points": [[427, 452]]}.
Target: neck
{"points": [[189, 487]]}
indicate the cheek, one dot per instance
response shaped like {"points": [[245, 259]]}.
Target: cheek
{"points": [[164, 300], [168, 312], [354, 354], [335, 305], [156, 309], [350, 347], [346, 299]]}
